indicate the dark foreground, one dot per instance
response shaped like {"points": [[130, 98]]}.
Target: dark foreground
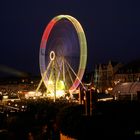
{"points": [[44, 120]]}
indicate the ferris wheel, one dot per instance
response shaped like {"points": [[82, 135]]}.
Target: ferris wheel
{"points": [[63, 54]]}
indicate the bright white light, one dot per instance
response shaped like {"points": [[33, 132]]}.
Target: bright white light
{"points": [[32, 94], [22, 106], [5, 97], [50, 82], [106, 99], [59, 93]]}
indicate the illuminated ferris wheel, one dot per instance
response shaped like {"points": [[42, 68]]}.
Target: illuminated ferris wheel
{"points": [[63, 54]]}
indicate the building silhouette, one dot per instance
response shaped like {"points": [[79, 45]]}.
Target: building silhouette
{"points": [[104, 76], [130, 72]]}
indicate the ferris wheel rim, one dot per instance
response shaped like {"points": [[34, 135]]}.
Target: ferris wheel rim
{"points": [[81, 40]]}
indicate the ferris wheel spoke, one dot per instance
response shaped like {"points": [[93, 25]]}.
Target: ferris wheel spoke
{"points": [[75, 74], [71, 57], [43, 77], [69, 74], [63, 71], [59, 69]]}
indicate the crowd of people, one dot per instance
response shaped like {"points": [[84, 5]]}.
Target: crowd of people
{"points": [[37, 122]]}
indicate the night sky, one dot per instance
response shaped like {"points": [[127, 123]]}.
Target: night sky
{"points": [[112, 29]]}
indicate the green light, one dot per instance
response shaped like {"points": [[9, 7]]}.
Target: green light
{"points": [[60, 85]]}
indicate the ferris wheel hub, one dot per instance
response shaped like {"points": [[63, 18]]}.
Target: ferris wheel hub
{"points": [[52, 55]]}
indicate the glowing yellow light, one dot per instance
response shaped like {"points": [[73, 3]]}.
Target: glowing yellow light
{"points": [[110, 88], [106, 91], [59, 93], [93, 88], [59, 86], [5, 97], [50, 82], [98, 91], [106, 99]]}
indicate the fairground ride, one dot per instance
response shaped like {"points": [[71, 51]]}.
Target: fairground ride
{"points": [[62, 56]]}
